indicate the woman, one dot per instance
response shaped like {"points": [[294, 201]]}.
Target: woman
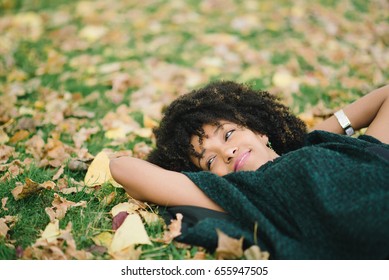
{"points": [[298, 195]]}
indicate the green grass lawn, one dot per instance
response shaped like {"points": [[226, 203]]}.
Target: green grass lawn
{"points": [[81, 77]]}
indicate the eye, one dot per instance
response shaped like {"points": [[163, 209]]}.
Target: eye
{"points": [[228, 134], [209, 162]]}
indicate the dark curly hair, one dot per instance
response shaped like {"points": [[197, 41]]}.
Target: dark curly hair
{"points": [[258, 111]]}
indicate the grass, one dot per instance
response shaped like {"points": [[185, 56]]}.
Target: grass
{"points": [[52, 67]]}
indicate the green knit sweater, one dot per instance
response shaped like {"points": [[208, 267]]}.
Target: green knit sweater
{"points": [[327, 200]]}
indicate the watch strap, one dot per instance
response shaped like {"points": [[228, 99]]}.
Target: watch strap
{"points": [[344, 122]]}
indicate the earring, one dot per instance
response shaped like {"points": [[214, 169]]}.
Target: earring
{"points": [[269, 145]]}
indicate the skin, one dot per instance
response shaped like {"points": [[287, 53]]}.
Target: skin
{"points": [[147, 182], [230, 148]]}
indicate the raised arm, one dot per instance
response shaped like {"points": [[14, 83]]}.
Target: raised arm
{"points": [[148, 182], [371, 111]]}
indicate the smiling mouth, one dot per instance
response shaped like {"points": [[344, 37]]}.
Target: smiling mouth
{"points": [[241, 160]]}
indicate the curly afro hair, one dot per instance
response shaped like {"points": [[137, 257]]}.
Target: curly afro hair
{"points": [[258, 111]]}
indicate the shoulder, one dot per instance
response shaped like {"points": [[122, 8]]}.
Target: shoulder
{"points": [[317, 137]]}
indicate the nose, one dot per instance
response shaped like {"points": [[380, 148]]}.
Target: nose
{"points": [[229, 154]]}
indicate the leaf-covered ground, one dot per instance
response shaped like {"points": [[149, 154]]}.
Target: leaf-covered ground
{"points": [[84, 81]]}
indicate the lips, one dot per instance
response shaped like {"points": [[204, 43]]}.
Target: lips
{"points": [[241, 160]]}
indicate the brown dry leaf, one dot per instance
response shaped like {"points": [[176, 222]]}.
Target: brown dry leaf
{"points": [[141, 150], [3, 228], [119, 124], [199, 255], [107, 200], [55, 244], [81, 136], [5, 153], [77, 165], [57, 153], [59, 173], [19, 136], [173, 230], [60, 207], [13, 169], [309, 119], [131, 232], [35, 147], [129, 253], [3, 203], [24, 190], [255, 253], [228, 248]]}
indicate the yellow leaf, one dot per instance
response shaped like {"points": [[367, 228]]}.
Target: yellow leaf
{"points": [[131, 232], [98, 172], [149, 218], [93, 33], [130, 208], [149, 122], [3, 137], [51, 231], [103, 239], [283, 79], [115, 133], [144, 132]]}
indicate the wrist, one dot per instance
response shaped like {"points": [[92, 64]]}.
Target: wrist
{"points": [[344, 122]]}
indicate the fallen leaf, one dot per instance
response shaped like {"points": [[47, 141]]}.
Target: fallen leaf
{"points": [[59, 173], [284, 80], [128, 253], [77, 165], [55, 244], [173, 230], [131, 232], [255, 253], [107, 200], [98, 172], [61, 206], [93, 33], [51, 232], [228, 248], [3, 228], [149, 218], [4, 138], [3, 203], [24, 190], [118, 219], [103, 239]]}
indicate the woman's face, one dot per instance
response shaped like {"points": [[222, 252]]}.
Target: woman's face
{"points": [[227, 148]]}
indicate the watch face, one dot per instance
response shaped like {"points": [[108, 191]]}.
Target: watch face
{"points": [[349, 131]]}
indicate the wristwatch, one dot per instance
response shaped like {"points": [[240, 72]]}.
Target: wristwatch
{"points": [[344, 122]]}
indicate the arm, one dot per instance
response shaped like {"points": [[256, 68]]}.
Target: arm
{"points": [[145, 181], [371, 111]]}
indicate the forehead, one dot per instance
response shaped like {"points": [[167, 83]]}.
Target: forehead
{"points": [[209, 130]]}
